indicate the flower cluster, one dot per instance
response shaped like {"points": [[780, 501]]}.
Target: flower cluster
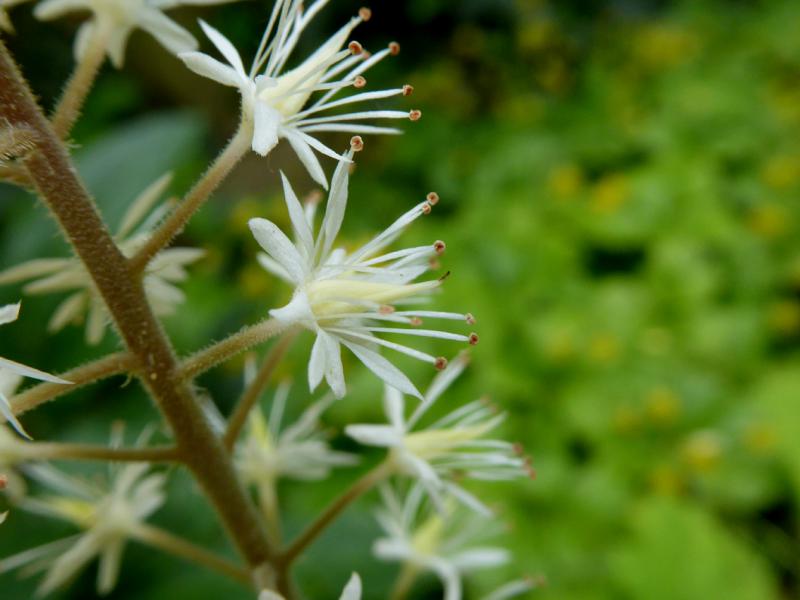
{"points": [[54, 275], [273, 99]]}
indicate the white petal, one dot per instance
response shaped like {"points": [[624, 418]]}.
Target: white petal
{"points": [[297, 311], [394, 406], [116, 45], [29, 371], [277, 245], [302, 230], [171, 35], [108, 571], [8, 415], [337, 203], [479, 558], [383, 368], [225, 48], [316, 364], [9, 313], [270, 595], [205, 66], [53, 9], [266, 121], [82, 39], [382, 436], [334, 372], [352, 591], [142, 204], [37, 267], [306, 156]]}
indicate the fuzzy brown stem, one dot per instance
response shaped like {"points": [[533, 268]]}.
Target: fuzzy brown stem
{"points": [[113, 364], [59, 187], [332, 512], [255, 389]]}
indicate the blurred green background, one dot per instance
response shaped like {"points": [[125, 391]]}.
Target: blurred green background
{"points": [[619, 183]]}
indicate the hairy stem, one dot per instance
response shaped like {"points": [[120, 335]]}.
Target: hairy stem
{"points": [[334, 509], [226, 349], [59, 187], [163, 540], [80, 83], [405, 581], [255, 389], [237, 147], [67, 451], [113, 364]]}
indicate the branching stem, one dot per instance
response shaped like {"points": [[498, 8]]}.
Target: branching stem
{"points": [[113, 364]]}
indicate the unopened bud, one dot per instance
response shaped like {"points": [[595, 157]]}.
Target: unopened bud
{"points": [[408, 90], [359, 82], [355, 47], [415, 115], [365, 13], [433, 198], [356, 143], [440, 363], [394, 48]]}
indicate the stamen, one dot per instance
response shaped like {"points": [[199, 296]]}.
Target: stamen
{"points": [[356, 143], [386, 309], [439, 246], [359, 82], [473, 339], [426, 209], [433, 198], [355, 48], [441, 363], [416, 321], [434, 265], [365, 13], [415, 115], [408, 90], [470, 319], [394, 48]]}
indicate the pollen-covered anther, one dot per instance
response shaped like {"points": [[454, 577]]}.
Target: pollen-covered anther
{"points": [[355, 47], [426, 209], [473, 339], [470, 319], [415, 115], [394, 48], [408, 90], [359, 82], [386, 309], [365, 13], [415, 321], [439, 246], [433, 198], [356, 143], [440, 363]]}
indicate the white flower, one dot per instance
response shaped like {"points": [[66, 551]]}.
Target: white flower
{"points": [[10, 371], [453, 445], [444, 543], [11, 447], [341, 297], [167, 268], [351, 591], [108, 517], [300, 451], [273, 99], [117, 19]]}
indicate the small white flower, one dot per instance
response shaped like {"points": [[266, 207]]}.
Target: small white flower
{"points": [[273, 99], [10, 371], [117, 19], [351, 591], [443, 542], [11, 446], [343, 297], [300, 451], [107, 516], [453, 445], [53, 275]]}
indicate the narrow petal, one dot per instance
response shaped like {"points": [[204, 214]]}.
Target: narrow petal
{"points": [[277, 245], [169, 34], [29, 371], [334, 372], [382, 436], [337, 203], [306, 156], [9, 313], [8, 415], [316, 364], [225, 48], [265, 128], [302, 230], [394, 406], [205, 66], [53, 9], [352, 591], [383, 368]]}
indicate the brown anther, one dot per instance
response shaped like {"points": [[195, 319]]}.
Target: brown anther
{"points": [[433, 198], [473, 339], [434, 264], [386, 309], [356, 143], [366, 54], [394, 48], [426, 209], [365, 13], [3, 482], [355, 47], [470, 319], [359, 82], [440, 363], [439, 247], [415, 321], [415, 115], [519, 449], [408, 90]]}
